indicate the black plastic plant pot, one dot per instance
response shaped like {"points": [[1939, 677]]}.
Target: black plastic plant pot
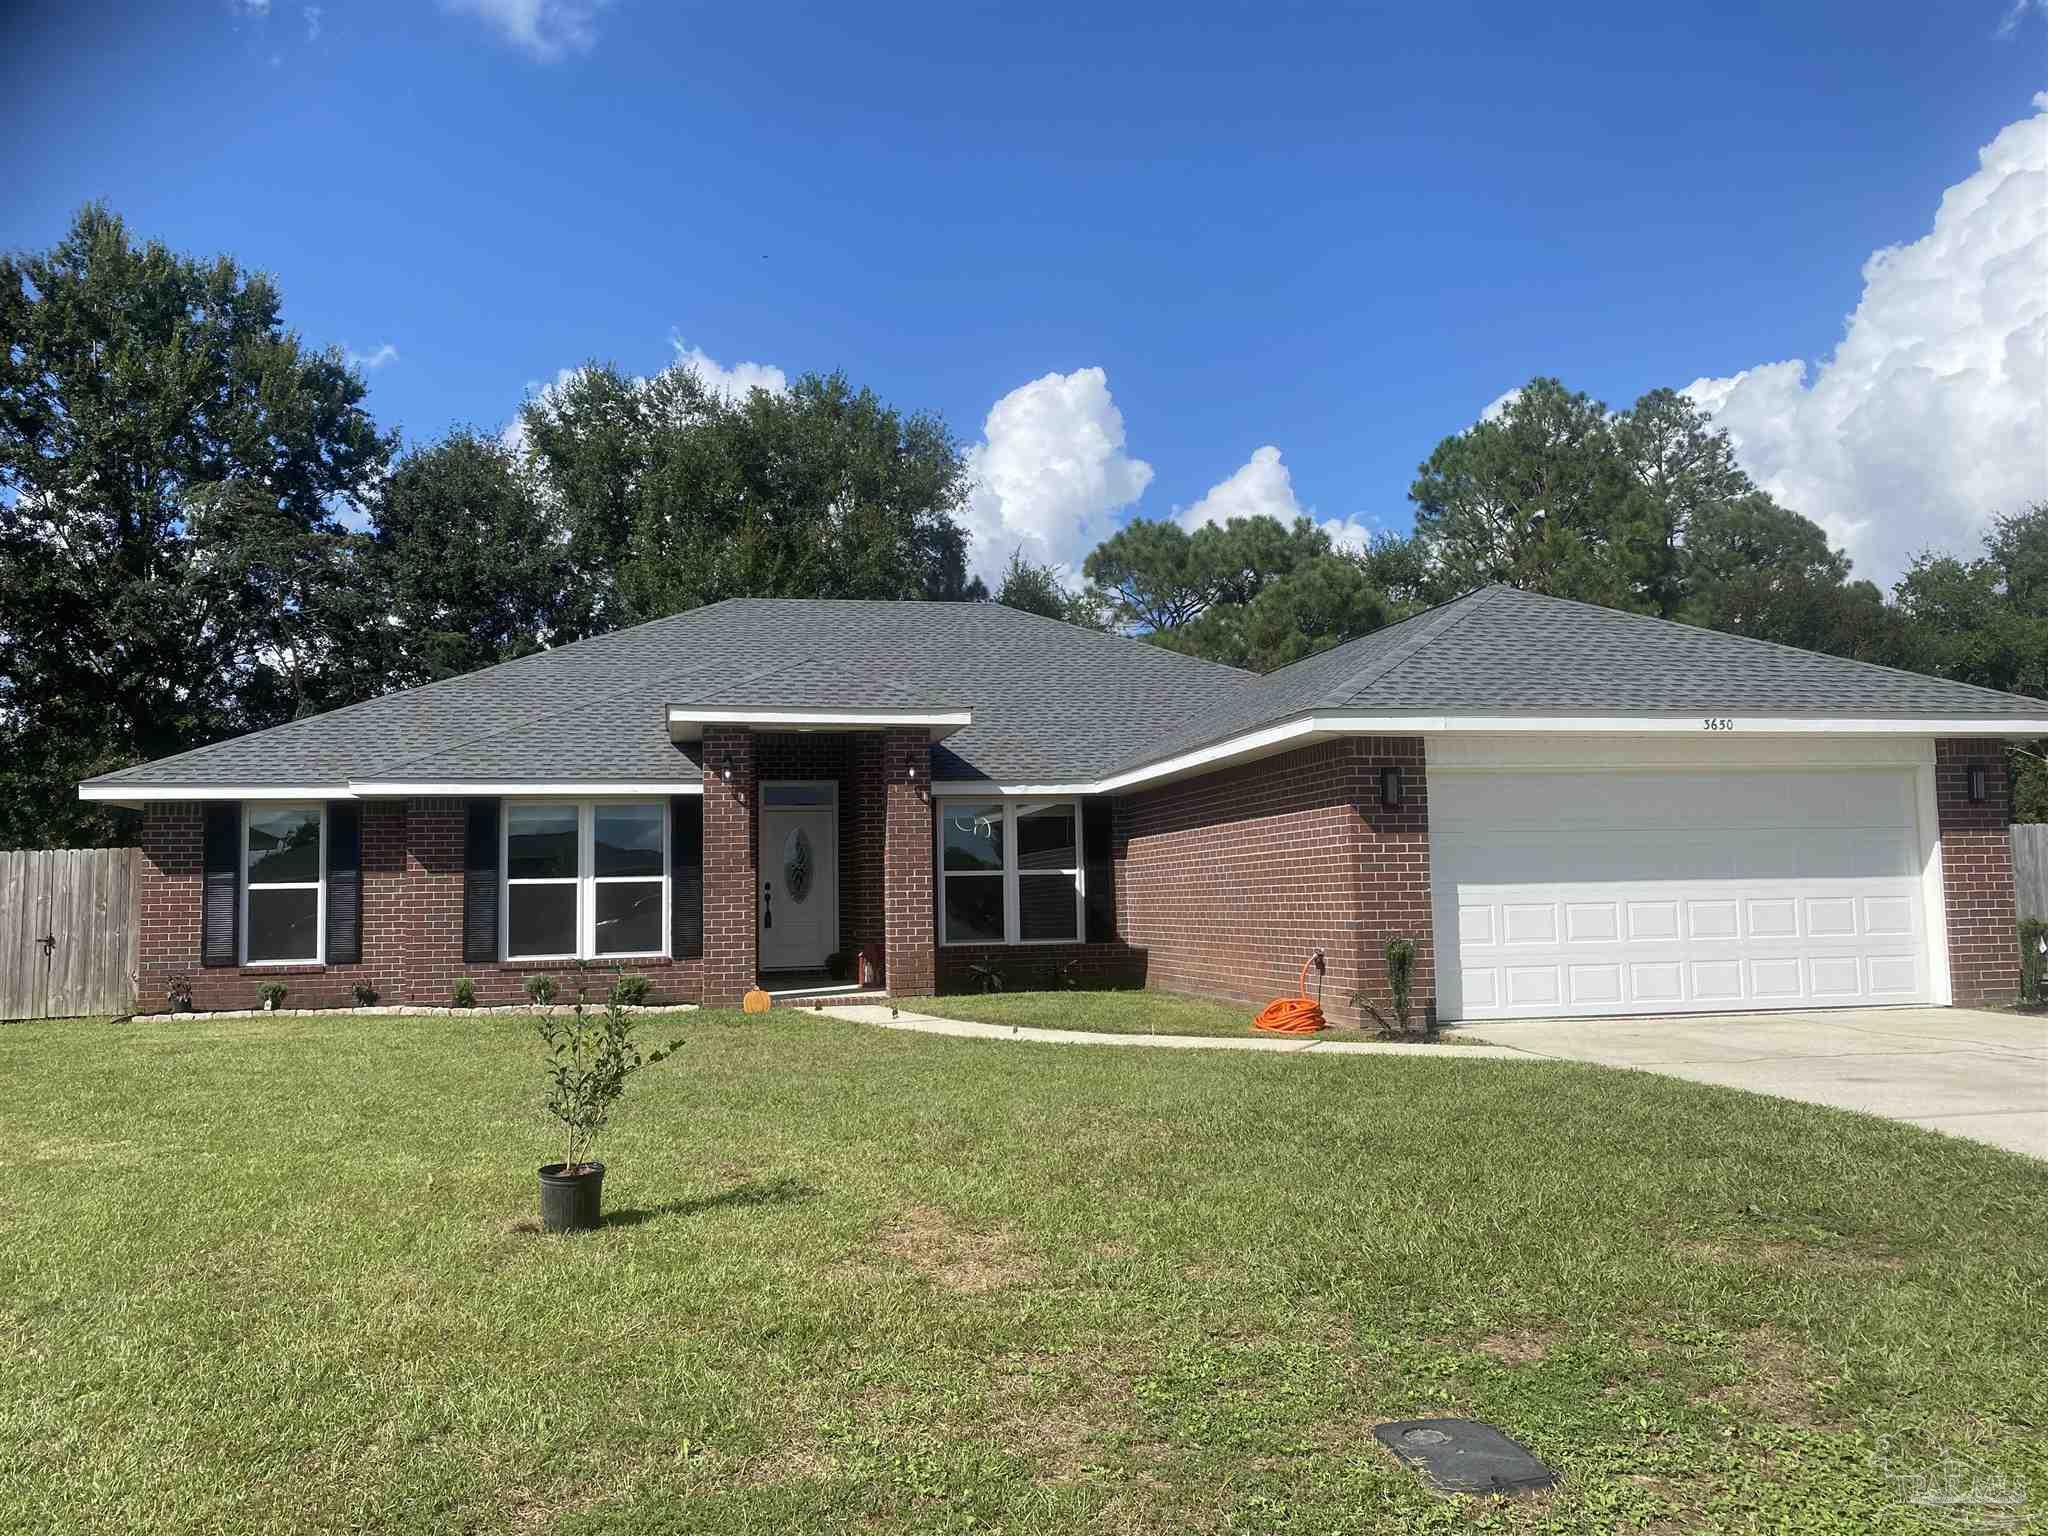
{"points": [[571, 1202]]}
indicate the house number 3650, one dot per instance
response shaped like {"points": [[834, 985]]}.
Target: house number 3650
{"points": [[1719, 723]]}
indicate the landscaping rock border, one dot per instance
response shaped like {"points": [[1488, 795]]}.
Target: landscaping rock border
{"points": [[409, 1010]]}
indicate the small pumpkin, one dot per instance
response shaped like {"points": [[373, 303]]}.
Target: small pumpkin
{"points": [[756, 1001]]}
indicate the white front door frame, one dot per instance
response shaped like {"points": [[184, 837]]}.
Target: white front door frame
{"points": [[768, 866]]}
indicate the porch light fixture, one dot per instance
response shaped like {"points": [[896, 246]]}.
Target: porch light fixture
{"points": [[1390, 785], [910, 777], [725, 767], [1979, 789]]}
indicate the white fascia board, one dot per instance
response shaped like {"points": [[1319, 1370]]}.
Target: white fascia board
{"points": [[156, 794], [369, 789], [692, 721], [1310, 729]]}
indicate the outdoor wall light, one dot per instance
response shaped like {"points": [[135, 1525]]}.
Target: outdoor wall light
{"points": [[725, 767], [1390, 786], [1979, 787]]}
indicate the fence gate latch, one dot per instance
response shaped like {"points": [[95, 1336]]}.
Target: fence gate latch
{"points": [[49, 943]]}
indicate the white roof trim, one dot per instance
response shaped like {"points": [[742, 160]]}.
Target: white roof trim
{"points": [[141, 794], [388, 788], [136, 795], [1310, 729], [687, 724]]}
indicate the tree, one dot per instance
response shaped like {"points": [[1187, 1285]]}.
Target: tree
{"points": [[475, 566], [1148, 575], [171, 463], [674, 496], [1535, 498], [1755, 568], [1678, 468], [1038, 589]]}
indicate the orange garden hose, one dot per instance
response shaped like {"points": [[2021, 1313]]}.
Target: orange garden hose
{"points": [[1301, 1015]]}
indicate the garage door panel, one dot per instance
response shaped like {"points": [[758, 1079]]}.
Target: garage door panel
{"points": [[1809, 896]]}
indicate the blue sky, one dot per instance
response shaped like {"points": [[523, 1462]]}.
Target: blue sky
{"points": [[1300, 246]]}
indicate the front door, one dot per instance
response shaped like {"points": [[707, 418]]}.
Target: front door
{"points": [[799, 871]]}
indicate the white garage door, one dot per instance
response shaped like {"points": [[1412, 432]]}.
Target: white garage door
{"points": [[1674, 892]]}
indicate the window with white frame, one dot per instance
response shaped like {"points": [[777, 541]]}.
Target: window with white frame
{"points": [[1010, 871], [585, 879], [284, 900]]}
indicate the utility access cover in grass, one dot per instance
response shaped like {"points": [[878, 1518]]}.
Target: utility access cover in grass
{"points": [[1464, 1456]]}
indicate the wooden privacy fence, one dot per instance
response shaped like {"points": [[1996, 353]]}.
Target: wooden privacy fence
{"points": [[2030, 868], [68, 932]]}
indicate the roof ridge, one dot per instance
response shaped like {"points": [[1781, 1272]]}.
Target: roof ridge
{"points": [[1447, 616], [1372, 634], [1117, 634]]}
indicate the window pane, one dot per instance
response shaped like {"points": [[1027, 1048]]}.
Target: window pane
{"points": [[627, 839], [629, 917], [974, 836], [284, 925], [1045, 836], [284, 843], [797, 794], [974, 909], [540, 841], [541, 919], [1045, 906]]}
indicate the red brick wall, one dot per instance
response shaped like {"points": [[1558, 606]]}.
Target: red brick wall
{"points": [[412, 923], [1040, 967], [731, 913], [908, 832], [1226, 882], [1976, 873]]}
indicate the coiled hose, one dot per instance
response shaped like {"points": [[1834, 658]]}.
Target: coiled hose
{"points": [[1301, 1015]]}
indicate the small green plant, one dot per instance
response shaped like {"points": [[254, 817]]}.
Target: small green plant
{"points": [[590, 1056], [364, 994], [1400, 958], [2034, 960], [839, 964], [464, 995], [631, 991], [179, 994], [272, 993], [987, 978], [541, 990]]}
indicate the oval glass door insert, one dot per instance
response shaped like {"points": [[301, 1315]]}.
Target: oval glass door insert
{"points": [[797, 864]]}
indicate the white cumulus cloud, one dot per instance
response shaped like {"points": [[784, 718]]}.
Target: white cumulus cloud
{"points": [[546, 29], [729, 383], [1932, 415], [373, 359], [1050, 473], [1261, 487]]}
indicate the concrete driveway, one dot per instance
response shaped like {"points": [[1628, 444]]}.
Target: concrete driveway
{"points": [[1970, 1073]]}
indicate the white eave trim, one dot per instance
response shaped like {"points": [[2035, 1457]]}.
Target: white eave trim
{"points": [[1310, 729], [136, 795], [687, 724], [141, 794], [381, 789]]}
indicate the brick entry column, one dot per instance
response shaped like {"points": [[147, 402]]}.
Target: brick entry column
{"points": [[731, 881], [907, 864], [1976, 874]]}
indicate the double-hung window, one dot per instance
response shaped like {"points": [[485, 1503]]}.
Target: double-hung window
{"points": [[1010, 871], [585, 879], [284, 902]]}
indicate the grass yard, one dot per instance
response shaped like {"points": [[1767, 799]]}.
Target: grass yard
{"points": [[1106, 1013], [273, 1275]]}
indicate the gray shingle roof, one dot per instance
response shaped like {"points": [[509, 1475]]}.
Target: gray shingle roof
{"points": [[1052, 703]]}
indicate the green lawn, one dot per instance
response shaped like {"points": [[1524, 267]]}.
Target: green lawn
{"points": [[1108, 1013], [276, 1275]]}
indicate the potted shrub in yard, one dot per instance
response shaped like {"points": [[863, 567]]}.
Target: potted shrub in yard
{"points": [[464, 994], [364, 994], [590, 1056], [272, 993], [179, 994], [540, 990]]}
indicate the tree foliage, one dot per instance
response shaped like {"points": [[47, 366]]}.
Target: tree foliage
{"points": [[172, 460]]}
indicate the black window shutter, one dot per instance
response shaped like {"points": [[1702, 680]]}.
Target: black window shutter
{"points": [[1098, 854], [686, 877], [480, 884], [220, 906], [344, 882]]}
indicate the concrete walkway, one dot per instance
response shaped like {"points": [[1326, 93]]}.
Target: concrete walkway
{"points": [[927, 1024], [1964, 1071]]}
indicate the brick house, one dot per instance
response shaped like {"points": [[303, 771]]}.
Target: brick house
{"points": [[1569, 810]]}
